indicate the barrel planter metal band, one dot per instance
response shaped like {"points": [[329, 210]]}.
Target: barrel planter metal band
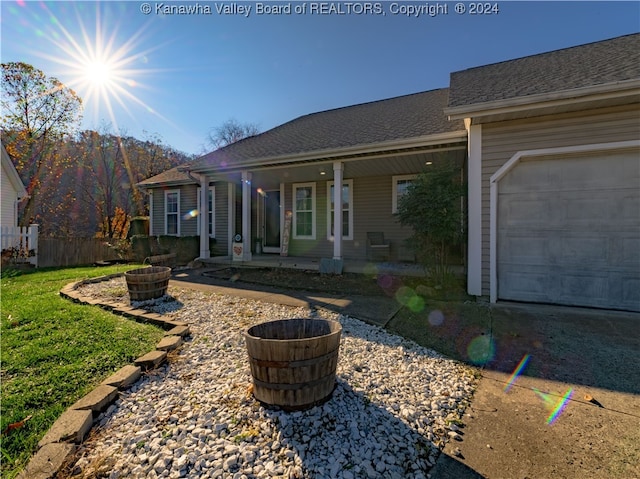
{"points": [[293, 361]]}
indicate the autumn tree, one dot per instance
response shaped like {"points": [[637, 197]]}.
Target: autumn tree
{"points": [[230, 132], [38, 113]]}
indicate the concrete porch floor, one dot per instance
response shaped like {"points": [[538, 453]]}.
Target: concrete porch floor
{"points": [[313, 264]]}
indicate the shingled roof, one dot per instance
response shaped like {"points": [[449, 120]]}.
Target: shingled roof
{"points": [[404, 117], [607, 61]]}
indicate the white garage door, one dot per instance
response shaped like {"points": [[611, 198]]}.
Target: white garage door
{"points": [[569, 231]]}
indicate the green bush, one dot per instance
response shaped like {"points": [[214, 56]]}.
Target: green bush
{"points": [[138, 226], [141, 247], [168, 244], [432, 207]]}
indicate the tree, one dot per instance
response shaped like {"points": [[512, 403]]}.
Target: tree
{"points": [[38, 112], [432, 207], [230, 132]]}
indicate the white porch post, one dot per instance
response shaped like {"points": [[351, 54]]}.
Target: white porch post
{"points": [[151, 212], [337, 210], [474, 209], [246, 215], [204, 217], [231, 214]]}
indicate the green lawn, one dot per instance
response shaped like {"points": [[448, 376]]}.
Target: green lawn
{"points": [[54, 351]]}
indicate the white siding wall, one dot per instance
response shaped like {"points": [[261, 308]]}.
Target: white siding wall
{"points": [[8, 201]]}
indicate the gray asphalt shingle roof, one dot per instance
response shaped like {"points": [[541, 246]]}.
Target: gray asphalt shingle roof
{"points": [[172, 176], [403, 117], [602, 62]]}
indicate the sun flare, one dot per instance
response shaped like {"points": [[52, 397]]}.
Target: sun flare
{"points": [[99, 73]]}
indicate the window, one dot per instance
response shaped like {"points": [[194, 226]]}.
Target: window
{"points": [[400, 186], [347, 209], [212, 211], [172, 212], [304, 210]]}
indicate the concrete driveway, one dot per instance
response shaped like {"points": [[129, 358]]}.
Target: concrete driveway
{"points": [[572, 412]]}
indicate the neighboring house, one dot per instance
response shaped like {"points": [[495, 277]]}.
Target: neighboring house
{"points": [[550, 145], [12, 191]]}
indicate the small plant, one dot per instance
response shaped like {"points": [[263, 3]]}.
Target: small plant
{"points": [[121, 246]]}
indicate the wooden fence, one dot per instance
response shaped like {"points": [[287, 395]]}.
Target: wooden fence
{"points": [[74, 251]]}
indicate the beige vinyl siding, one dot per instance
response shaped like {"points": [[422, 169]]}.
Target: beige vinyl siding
{"points": [[158, 212], [188, 202], [500, 141], [8, 203], [371, 212]]}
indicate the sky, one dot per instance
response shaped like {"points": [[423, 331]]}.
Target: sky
{"points": [[146, 70]]}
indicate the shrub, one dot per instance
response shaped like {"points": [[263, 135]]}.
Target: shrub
{"points": [[432, 207]]}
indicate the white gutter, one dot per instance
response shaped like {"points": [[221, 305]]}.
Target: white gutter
{"points": [[417, 142], [599, 92]]}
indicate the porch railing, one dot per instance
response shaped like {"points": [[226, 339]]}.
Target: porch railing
{"points": [[20, 243]]}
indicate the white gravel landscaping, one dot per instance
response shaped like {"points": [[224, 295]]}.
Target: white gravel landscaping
{"points": [[394, 406]]}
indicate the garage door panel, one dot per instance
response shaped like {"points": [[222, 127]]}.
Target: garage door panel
{"points": [[526, 211], [630, 293], [527, 286], [582, 249], [569, 231], [629, 210], [588, 290], [630, 252]]}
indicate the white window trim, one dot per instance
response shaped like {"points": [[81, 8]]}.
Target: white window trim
{"points": [[166, 194], [349, 183], [212, 211], [313, 210], [394, 189]]}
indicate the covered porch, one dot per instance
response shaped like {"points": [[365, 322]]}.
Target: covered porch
{"points": [[282, 213]]}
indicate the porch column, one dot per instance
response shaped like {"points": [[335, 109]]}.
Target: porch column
{"points": [[246, 216], [337, 210], [204, 217]]}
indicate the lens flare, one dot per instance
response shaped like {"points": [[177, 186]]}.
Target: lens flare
{"points": [[436, 317], [516, 372], [481, 349], [190, 214], [555, 407], [94, 56]]}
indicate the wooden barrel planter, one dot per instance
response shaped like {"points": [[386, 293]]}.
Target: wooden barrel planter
{"points": [[147, 283], [293, 361]]}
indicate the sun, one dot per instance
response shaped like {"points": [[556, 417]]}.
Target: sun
{"points": [[99, 73]]}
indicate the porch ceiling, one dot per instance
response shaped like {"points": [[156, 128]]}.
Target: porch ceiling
{"points": [[271, 177]]}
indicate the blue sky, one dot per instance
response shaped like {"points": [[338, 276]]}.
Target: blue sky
{"points": [[178, 76]]}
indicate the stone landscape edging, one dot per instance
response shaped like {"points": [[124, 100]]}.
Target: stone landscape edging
{"points": [[70, 429]]}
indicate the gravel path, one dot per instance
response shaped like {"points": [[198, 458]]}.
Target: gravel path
{"points": [[394, 407]]}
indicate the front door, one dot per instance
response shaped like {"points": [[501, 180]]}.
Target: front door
{"points": [[271, 217]]}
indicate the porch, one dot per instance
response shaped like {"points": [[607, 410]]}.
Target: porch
{"points": [[313, 264]]}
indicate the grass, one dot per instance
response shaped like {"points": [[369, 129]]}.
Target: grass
{"points": [[54, 351]]}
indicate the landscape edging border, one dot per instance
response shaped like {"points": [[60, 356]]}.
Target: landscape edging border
{"points": [[59, 442]]}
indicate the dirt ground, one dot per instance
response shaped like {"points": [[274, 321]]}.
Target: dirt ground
{"points": [[573, 411]]}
